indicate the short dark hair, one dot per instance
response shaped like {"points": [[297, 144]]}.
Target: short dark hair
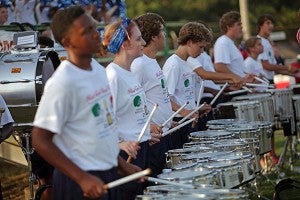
{"points": [[149, 25], [63, 20], [261, 20], [228, 19]]}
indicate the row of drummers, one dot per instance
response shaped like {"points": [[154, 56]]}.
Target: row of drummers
{"points": [[215, 162]]}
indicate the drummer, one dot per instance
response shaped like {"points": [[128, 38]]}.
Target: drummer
{"points": [[265, 25], [153, 81], [227, 57], [252, 64], [71, 128], [124, 39], [180, 78]]}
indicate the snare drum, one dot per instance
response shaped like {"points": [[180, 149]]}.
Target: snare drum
{"points": [[210, 135], [227, 172], [190, 176], [264, 134], [222, 124], [22, 80], [174, 156], [282, 99], [245, 162], [265, 102], [296, 103], [244, 132], [242, 110]]}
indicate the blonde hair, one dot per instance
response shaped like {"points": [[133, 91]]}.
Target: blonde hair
{"points": [[251, 43]]}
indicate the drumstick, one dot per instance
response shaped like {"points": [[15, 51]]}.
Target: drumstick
{"points": [[236, 92], [127, 179], [219, 93], [259, 85], [266, 80], [177, 127], [144, 128], [260, 80], [174, 114], [249, 90], [191, 113], [157, 180], [200, 92], [147, 122]]}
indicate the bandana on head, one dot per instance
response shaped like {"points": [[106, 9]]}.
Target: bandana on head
{"points": [[118, 37]]}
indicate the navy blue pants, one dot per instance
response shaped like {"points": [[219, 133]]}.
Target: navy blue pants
{"points": [[157, 156], [131, 189], [181, 136], [65, 188]]}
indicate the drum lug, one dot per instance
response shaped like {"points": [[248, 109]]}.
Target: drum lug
{"points": [[42, 59], [38, 79]]}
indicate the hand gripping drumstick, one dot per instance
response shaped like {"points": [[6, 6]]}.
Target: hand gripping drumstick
{"points": [[127, 179], [157, 180], [144, 128], [191, 113], [244, 87], [200, 92], [219, 93], [177, 127], [260, 80], [174, 114]]}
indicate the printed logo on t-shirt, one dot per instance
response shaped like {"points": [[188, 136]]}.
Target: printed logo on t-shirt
{"points": [[96, 110], [186, 82], [137, 101], [162, 83]]}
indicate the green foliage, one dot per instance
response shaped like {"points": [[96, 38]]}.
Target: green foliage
{"points": [[210, 11]]}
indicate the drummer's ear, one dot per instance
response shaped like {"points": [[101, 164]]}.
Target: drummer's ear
{"points": [[65, 42]]}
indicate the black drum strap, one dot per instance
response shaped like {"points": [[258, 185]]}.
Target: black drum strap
{"points": [[44, 56]]}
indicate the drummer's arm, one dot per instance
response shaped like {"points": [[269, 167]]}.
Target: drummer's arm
{"points": [[42, 141], [222, 68], [279, 69], [127, 168]]}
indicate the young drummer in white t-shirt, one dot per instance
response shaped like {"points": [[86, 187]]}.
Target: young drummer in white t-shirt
{"points": [[73, 129], [227, 57], [180, 77], [252, 64], [152, 79], [124, 39]]}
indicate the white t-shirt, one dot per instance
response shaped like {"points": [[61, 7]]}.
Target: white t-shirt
{"points": [[6, 116], [77, 107], [180, 81], [253, 66], [207, 65], [25, 11], [151, 77], [267, 54], [129, 101], [225, 51]]}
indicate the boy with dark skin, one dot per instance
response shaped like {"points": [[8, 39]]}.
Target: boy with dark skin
{"points": [[71, 130]]}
